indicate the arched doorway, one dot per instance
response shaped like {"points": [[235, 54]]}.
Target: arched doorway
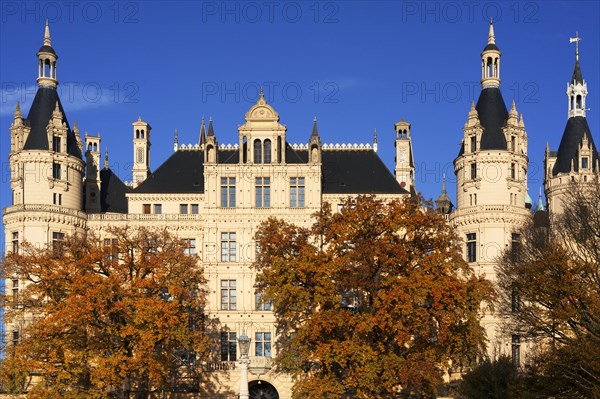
{"points": [[262, 390]]}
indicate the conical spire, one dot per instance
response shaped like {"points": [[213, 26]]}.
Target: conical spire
{"points": [[176, 140], [315, 131], [18, 113], [540, 205], [202, 133], [444, 184], [513, 109], [491, 37], [47, 41], [211, 132], [106, 158], [375, 140], [577, 77]]}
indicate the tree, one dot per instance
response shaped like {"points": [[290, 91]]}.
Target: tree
{"points": [[551, 285], [105, 318], [372, 302], [489, 380]]}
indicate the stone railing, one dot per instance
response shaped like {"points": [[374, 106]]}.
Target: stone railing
{"points": [[175, 217], [44, 208]]}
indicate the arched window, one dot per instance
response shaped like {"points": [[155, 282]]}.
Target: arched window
{"points": [[578, 101], [142, 133], [490, 67], [137, 133], [257, 151], [245, 150], [267, 151]]}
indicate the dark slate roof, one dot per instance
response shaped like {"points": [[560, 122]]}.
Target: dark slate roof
{"points": [[181, 173], [541, 219], [112, 192], [40, 114], [491, 46], [577, 73], [357, 172], [229, 156], [568, 149], [295, 156], [47, 49], [493, 114]]}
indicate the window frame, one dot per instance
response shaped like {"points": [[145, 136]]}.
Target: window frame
{"points": [[471, 247], [297, 192], [228, 197], [228, 246], [263, 343], [228, 289], [262, 192]]}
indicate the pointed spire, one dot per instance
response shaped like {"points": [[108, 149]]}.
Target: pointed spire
{"points": [[176, 141], [513, 108], [106, 158], [577, 77], [211, 132], [315, 131], [540, 205], [57, 114], [521, 121], [444, 184], [491, 38], [375, 140], [202, 133], [75, 127], [18, 113], [47, 41]]}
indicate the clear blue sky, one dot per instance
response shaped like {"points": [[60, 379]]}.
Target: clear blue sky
{"points": [[356, 65]]}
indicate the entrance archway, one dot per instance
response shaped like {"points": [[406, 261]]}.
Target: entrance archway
{"points": [[262, 390]]}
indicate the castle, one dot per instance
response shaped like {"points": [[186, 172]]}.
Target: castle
{"points": [[214, 195]]}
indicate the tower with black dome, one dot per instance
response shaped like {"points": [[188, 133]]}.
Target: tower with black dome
{"points": [[491, 185], [577, 159]]}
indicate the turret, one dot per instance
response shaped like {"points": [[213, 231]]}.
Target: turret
{"points": [[212, 146], [314, 144], [141, 151], [405, 166], [92, 174]]}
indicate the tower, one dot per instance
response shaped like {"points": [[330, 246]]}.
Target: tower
{"points": [[405, 164], [211, 146], [577, 159], [141, 151], [92, 174], [491, 185], [314, 144]]}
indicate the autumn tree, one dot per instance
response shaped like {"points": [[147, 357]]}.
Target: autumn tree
{"points": [[105, 318], [373, 302], [551, 287]]}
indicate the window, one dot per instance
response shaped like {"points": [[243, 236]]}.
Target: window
{"points": [[56, 143], [513, 172], [15, 292], [57, 239], [257, 151], [183, 209], [261, 304], [516, 350], [146, 209], [158, 209], [473, 143], [227, 192], [111, 249], [297, 192], [584, 163], [262, 344], [56, 199], [228, 295], [15, 242], [228, 346], [228, 247], [263, 192], [56, 170], [515, 244], [513, 143], [267, 151], [473, 171], [515, 301], [471, 247], [195, 209], [15, 337], [190, 246]]}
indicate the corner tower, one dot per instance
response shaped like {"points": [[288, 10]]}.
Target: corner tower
{"points": [[405, 164], [577, 159], [491, 184], [141, 151]]}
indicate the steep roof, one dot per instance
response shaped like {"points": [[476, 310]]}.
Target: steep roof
{"points": [[40, 114], [577, 77], [112, 192], [568, 150], [344, 172], [493, 114]]}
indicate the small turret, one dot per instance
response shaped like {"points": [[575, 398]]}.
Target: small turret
{"points": [[443, 203], [375, 140], [212, 146], [315, 144]]}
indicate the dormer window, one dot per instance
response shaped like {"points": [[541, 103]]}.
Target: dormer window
{"points": [[257, 151], [56, 143], [585, 163], [473, 143], [513, 143]]}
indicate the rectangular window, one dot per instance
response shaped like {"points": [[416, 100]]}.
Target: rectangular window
{"points": [[513, 143], [57, 239], [227, 192], [513, 171], [263, 192], [584, 163], [516, 350], [228, 295], [297, 192], [471, 247], [473, 143], [56, 170], [15, 337], [15, 292], [473, 171], [261, 304], [228, 346], [228, 247], [15, 242], [111, 249], [146, 209], [157, 209], [55, 143], [515, 302], [262, 344], [183, 209], [195, 209], [515, 244], [190, 246]]}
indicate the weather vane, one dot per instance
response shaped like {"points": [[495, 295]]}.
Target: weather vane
{"points": [[576, 39]]}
